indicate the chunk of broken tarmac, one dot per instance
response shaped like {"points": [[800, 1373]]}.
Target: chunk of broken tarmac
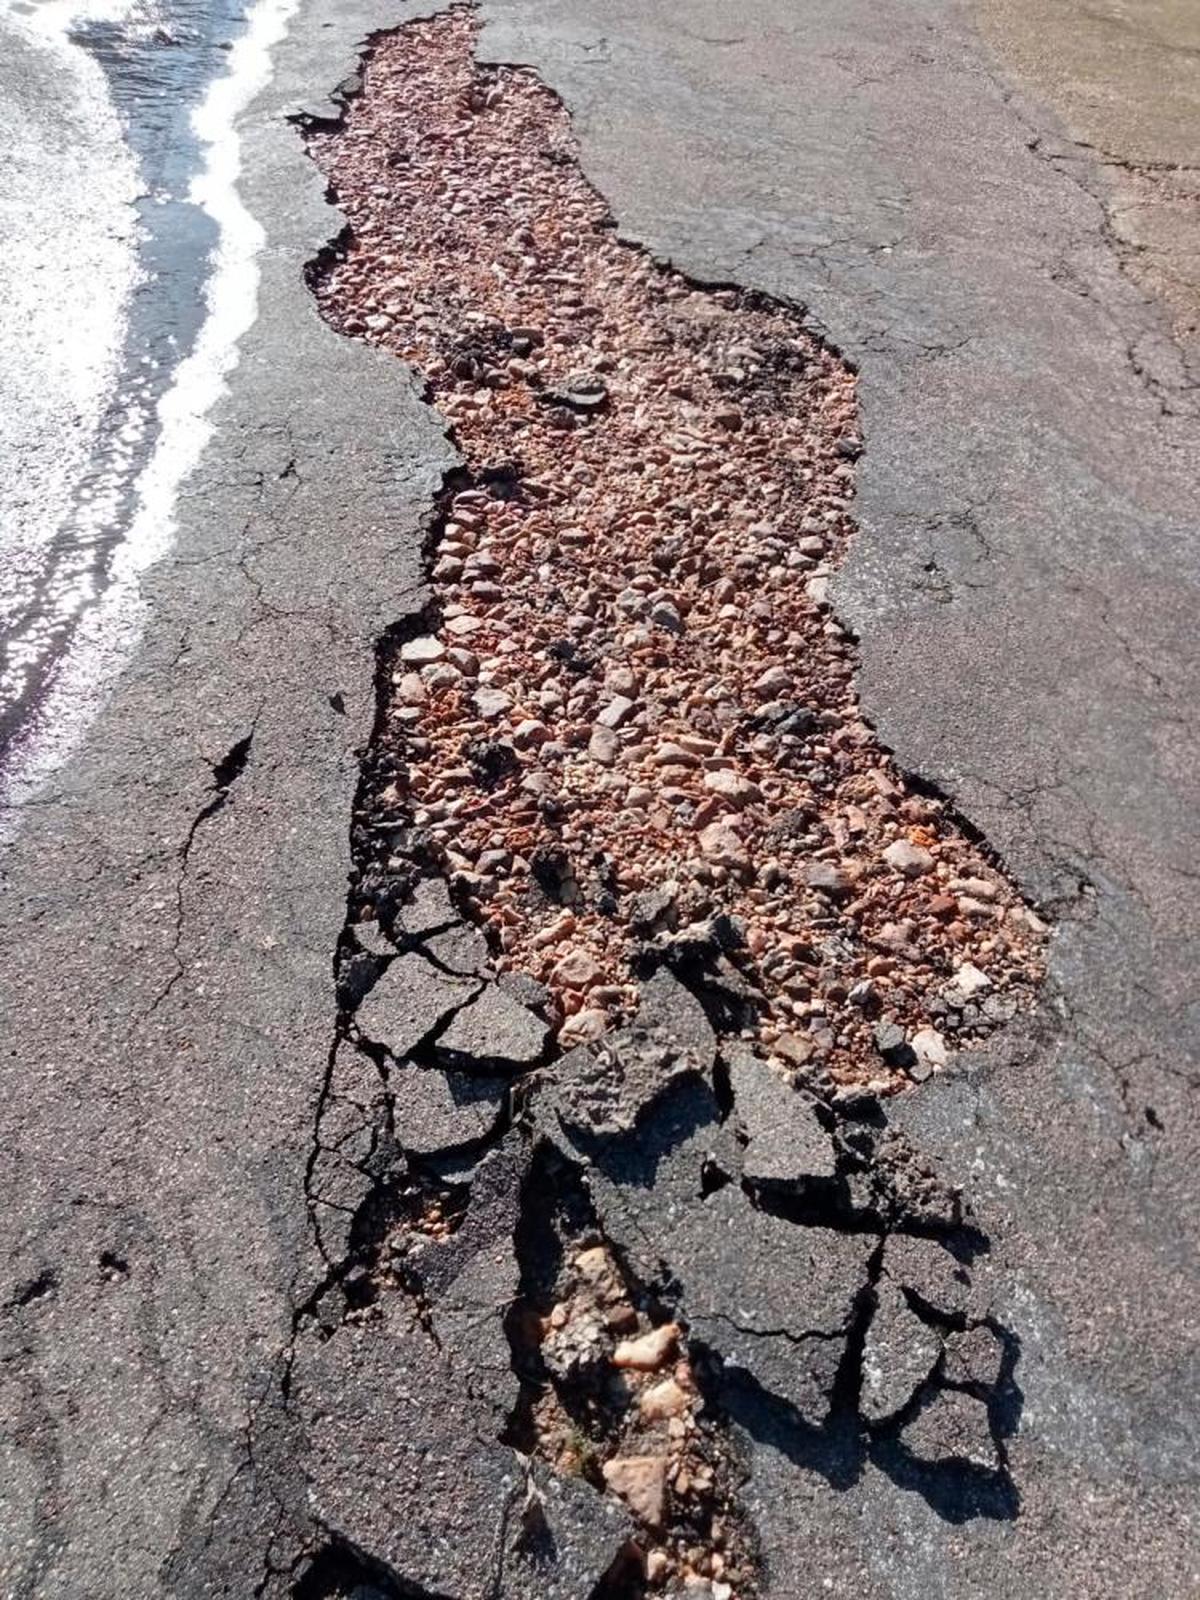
{"points": [[786, 1144], [400, 1463], [494, 1030], [407, 1001], [899, 1353], [436, 1112], [952, 1426], [773, 1300]]}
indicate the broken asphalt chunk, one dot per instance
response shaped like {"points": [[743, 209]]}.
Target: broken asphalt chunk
{"points": [[607, 1086], [952, 1426], [786, 1144], [399, 1467], [773, 1300], [494, 1030], [440, 1111], [900, 1352], [408, 1001], [925, 1267]]}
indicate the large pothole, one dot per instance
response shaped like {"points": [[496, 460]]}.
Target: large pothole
{"points": [[602, 1171], [633, 714]]}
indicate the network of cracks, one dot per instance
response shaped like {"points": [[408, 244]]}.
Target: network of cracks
{"points": [[604, 1194]]}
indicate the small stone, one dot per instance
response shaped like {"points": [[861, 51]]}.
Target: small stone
{"points": [[727, 417], [491, 703], [462, 626], [421, 652], [651, 907], [665, 1399], [641, 1481], [970, 981], [410, 690], [576, 970], [892, 1044], [442, 676], [658, 1564], [583, 391], [793, 1048], [721, 845], [774, 681], [650, 1350], [603, 746], [584, 1027], [616, 713], [929, 1047], [731, 786], [576, 1349], [670, 754], [666, 616], [828, 879], [530, 733], [908, 858], [594, 1263], [561, 928]]}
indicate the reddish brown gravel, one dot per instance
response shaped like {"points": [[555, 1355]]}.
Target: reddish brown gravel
{"points": [[635, 709]]}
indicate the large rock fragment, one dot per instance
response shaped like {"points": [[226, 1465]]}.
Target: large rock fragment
{"points": [[772, 1299], [786, 1145], [408, 1001], [900, 1352]]}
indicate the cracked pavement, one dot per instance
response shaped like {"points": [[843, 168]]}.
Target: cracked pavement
{"points": [[994, 1292]]}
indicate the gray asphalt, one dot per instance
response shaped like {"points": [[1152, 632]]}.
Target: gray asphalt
{"points": [[1024, 585], [1025, 588]]}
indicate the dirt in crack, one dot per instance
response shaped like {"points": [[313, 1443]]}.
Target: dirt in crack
{"points": [[636, 710], [609, 1393]]}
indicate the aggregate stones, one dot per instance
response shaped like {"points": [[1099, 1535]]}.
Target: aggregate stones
{"points": [[644, 925], [628, 665]]}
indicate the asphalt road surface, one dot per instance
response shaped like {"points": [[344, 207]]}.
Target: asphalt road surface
{"points": [[177, 1419]]}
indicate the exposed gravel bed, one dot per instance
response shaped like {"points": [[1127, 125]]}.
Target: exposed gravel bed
{"points": [[635, 710]]}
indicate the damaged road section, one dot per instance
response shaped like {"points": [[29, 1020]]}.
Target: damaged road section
{"points": [[633, 711], [642, 930]]}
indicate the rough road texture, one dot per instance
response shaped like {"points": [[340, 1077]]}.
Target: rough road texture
{"points": [[1023, 584], [259, 1270]]}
